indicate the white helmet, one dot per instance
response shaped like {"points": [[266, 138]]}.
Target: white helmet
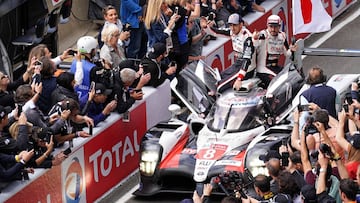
{"points": [[86, 43], [274, 19]]}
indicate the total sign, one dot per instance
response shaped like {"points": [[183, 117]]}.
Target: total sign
{"points": [[112, 155]]}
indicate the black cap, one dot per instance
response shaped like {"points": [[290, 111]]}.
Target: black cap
{"points": [[272, 154], [157, 50], [356, 141], [309, 193], [101, 89], [295, 157], [4, 111]]}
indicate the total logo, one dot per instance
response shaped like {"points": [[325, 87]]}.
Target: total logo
{"points": [[74, 182]]}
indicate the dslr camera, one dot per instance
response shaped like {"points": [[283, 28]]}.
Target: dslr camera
{"points": [[309, 126]]}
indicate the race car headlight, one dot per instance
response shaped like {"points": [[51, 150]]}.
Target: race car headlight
{"points": [[254, 164], [149, 159]]}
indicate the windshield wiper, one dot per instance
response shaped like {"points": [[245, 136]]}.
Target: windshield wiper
{"points": [[227, 116]]}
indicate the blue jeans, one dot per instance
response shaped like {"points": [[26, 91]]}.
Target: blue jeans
{"points": [[138, 42]]}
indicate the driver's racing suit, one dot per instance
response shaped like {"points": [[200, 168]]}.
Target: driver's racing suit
{"points": [[269, 50]]}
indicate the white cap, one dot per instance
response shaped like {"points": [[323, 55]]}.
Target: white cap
{"points": [[274, 19], [235, 19]]}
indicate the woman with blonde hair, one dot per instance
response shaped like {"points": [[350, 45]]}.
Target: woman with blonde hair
{"points": [[111, 52], [157, 23]]}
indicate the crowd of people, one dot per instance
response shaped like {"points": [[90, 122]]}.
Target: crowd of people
{"points": [[319, 161], [148, 43]]}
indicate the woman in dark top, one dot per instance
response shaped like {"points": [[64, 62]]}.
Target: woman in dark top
{"points": [[7, 87], [65, 88], [48, 82]]}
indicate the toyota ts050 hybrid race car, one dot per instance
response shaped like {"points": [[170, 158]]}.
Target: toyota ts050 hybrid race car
{"points": [[176, 155]]}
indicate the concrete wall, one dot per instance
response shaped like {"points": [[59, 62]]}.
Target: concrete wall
{"points": [[79, 25]]}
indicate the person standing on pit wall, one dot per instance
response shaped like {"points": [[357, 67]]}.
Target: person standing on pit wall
{"points": [[132, 13], [272, 43]]}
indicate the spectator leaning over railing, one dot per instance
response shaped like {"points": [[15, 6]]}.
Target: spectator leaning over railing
{"points": [[73, 123], [46, 69], [7, 88], [125, 96], [9, 145], [94, 104], [83, 63], [12, 166], [65, 88], [155, 68]]}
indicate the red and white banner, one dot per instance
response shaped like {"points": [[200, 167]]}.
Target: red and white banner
{"points": [[310, 16]]}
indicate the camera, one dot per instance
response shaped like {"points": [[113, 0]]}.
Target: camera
{"points": [[346, 108], [303, 108], [325, 149], [126, 27], [231, 182], [19, 109], [72, 52], [211, 16], [176, 10], [309, 126], [38, 63]]}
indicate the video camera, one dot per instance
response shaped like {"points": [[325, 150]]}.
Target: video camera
{"points": [[232, 182]]}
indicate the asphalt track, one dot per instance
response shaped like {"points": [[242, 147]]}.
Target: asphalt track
{"points": [[343, 35]]}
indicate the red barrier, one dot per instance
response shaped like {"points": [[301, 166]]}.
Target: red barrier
{"points": [[106, 159]]}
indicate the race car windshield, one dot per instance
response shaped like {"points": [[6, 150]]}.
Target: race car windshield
{"points": [[233, 117]]}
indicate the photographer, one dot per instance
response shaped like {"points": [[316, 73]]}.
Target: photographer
{"points": [[310, 177], [351, 148], [94, 103], [41, 141], [319, 126], [152, 65]]}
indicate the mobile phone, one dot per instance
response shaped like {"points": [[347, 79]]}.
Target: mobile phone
{"points": [[67, 105], [38, 63], [19, 108], [67, 151], [115, 97], [284, 141], [137, 90], [346, 108], [71, 52], [172, 63], [92, 86], [285, 158], [199, 189], [126, 116], [90, 130], [304, 107], [37, 78], [176, 10], [211, 16], [349, 100]]}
